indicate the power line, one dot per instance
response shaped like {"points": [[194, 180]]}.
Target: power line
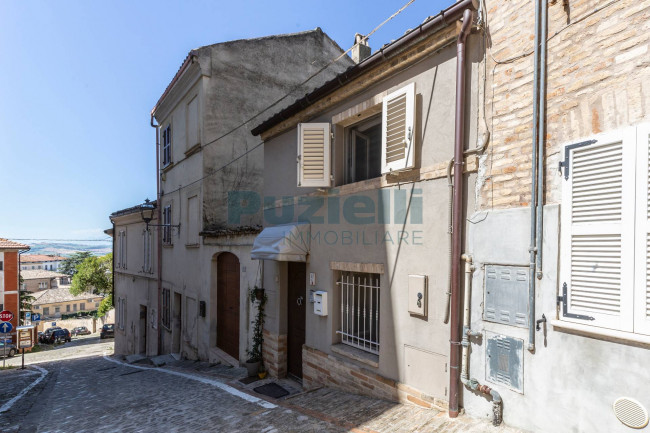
{"points": [[293, 89]]}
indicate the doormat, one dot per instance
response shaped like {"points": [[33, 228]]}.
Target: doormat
{"points": [[272, 390], [249, 379]]}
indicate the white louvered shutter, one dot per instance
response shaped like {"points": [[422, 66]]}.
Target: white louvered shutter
{"points": [[642, 255], [597, 257], [314, 154], [398, 130]]}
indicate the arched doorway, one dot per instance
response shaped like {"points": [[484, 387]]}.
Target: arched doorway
{"points": [[228, 304]]}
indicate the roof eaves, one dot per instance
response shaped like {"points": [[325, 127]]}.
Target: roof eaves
{"points": [[431, 25]]}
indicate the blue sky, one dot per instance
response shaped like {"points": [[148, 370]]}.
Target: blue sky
{"points": [[79, 79]]}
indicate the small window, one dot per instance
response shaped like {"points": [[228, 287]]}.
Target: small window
{"points": [[166, 308], [57, 310], [167, 221], [2, 265], [82, 306], [363, 151], [74, 307], [359, 295], [46, 311], [67, 308], [167, 146], [146, 248]]}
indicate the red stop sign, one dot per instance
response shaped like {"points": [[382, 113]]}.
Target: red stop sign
{"points": [[6, 316]]}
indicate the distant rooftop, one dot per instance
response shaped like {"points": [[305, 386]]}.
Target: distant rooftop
{"points": [[37, 258], [35, 274], [53, 296], [6, 244]]}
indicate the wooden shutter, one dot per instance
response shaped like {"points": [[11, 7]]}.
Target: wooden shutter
{"points": [[642, 250], [398, 130], [597, 256], [314, 154]]}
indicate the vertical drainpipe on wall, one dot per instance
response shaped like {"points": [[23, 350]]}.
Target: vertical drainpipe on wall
{"points": [[456, 246], [537, 187], [113, 266], [158, 237]]}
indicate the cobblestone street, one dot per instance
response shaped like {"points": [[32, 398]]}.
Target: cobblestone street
{"points": [[100, 393]]}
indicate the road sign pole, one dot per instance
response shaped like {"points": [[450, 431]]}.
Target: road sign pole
{"points": [[4, 350], [23, 367]]}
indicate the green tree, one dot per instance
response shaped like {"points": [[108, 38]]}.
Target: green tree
{"points": [[25, 299], [69, 265], [94, 274], [105, 306]]}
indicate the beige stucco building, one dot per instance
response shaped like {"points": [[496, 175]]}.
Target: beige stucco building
{"points": [[196, 291], [35, 280], [53, 303]]}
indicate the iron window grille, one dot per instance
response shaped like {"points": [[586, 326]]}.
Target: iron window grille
{"points": [[359, 294]]}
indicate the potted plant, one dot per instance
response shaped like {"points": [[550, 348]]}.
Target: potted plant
{"points": [[255, 353]]}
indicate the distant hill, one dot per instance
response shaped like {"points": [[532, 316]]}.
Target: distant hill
{"points": [[65, 248]]}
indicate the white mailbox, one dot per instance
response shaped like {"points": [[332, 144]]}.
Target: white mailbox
{"points": [[320, 303]]}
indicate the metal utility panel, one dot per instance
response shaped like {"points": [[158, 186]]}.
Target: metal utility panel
{"points": [[418, 295], [506, 295], [505, 361], [426, 371]]}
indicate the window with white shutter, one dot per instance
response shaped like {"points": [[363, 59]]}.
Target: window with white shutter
{"points": [[398, 130], [598, 231], [642, 250], [314, 154]]}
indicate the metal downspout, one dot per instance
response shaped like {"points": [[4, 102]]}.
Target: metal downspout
{"points": [[532, 249], [450, 213], [541, 137], [454, 358], [158, 237]]}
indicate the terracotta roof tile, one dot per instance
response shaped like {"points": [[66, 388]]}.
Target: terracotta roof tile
{"points": [[33, 274], [6, 244], [34, 258], [53, 296]]}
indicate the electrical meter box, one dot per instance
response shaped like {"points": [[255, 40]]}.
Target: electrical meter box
{"points": [[320, 303], [418, 295]]}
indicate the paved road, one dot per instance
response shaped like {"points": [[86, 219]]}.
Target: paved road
{"points": [[84, 345], [93, 394], [82, 390]]}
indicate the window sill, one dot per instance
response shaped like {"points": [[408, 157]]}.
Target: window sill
{"points": [[602, 333], [166, 168], [355, 354], [168, 245], [192, 150], [196, 245]]}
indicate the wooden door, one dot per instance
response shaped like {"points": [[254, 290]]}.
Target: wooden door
{"points": [[228, 304], [297, 283]]}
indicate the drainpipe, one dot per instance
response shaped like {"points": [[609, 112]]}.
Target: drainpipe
{"points": [[537, 185], [457, 214], [473, 384], [450, 213], [541, 137], [158, 237]]}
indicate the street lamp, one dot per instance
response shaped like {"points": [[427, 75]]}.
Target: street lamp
{"points": [[147, 210]]}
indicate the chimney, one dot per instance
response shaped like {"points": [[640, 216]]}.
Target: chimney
{"points": [[360, 50]]}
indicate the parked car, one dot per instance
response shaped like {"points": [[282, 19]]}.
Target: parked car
{"points": [[59, 335], [80, 330], [108, 330], [45, 337], [8, 349]]}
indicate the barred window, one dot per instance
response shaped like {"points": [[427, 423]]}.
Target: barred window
{"points": [[359, 294], [165, 313]]}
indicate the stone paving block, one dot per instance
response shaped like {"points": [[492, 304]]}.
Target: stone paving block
{"points": [[132, 359], [161, 360]]}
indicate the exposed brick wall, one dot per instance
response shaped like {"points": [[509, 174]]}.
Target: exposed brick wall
{"points": [[11, 285], [598, 80], [321, 369], [274, 354]]}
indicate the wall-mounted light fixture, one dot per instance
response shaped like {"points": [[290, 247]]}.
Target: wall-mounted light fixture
{"points": [[146, 211]]}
